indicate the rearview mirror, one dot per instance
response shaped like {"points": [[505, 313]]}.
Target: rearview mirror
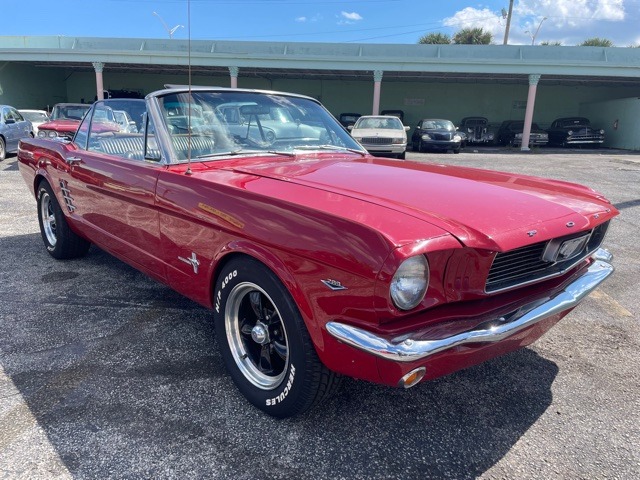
{"points": [[254, 110]]}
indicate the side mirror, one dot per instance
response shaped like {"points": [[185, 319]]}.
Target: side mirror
{"points": [[407, 128], [350, 127]]}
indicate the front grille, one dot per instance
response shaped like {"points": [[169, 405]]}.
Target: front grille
{"points": [[442, 136], [525, 265], [376, 140]]}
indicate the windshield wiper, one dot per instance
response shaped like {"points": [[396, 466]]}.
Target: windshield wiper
{"points": [[231, 153], [330, 147]]}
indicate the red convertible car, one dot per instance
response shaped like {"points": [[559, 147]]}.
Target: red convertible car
{"points": [[317, 259]]}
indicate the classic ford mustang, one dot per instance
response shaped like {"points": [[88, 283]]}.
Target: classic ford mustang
{"points": [[317, 259]]}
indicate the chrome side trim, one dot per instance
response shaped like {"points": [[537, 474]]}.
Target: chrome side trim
{"points": [[407, 349]]}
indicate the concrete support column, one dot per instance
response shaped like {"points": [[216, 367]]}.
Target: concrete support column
{"points": [[528, 115], [233, 72], [98, 67], [377, 80]]}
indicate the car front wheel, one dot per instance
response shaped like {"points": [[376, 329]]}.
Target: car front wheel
{"points": [[3, 150], [60, 240], [264, 342]]}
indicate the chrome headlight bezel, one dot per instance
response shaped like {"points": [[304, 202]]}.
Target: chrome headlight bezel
{"points": [[410, 282]]}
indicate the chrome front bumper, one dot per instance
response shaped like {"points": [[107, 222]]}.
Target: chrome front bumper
{"points": [[407, 349]]}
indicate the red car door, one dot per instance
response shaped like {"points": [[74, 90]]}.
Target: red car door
{"points": [[113, 196]]}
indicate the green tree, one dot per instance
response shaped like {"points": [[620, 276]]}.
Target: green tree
{"points": [[473, 36], [435, 39], [551, 44], [596, 42]]}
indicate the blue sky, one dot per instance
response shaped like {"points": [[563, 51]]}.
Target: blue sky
{"points": [[360, 21]]}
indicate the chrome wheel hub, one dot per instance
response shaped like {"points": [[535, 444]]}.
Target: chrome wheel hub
{"points": [[260, 333], [256, 336], [48, 219]]}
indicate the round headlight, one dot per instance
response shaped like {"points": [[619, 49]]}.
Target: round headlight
{"points": [[410, 282], [42, 133], [601, 132], [570, 132], [457, 138], [52, 134]]}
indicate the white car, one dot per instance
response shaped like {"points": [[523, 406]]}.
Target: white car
{"points": [[36, 117], [381, 134]]}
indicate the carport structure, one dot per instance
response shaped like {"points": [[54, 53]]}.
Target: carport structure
{"points": [[421, 78]]}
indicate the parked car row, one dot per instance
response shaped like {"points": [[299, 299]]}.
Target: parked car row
{"points": [[564, 132], [437, 134]]}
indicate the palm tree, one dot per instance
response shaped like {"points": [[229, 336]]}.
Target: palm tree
{"points": [[596, 42], [435, 39], [551, 44], [473, 36]]}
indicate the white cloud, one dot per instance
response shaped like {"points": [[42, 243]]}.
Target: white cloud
{"points": [[353, 16], [473, 18], [301, 19], [567, 21], [572, 13]]}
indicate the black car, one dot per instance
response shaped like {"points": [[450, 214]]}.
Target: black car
{"points": [[394, 113], [578, 131], [436, 134], [348, 119], [510, 133], [477, 130]]}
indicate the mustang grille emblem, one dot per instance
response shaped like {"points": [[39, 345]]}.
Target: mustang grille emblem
{"points": [[333, 284], [192, 260]]}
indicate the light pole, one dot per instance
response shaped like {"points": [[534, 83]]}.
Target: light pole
{"points": [[170, 31], [533, 37], [506, 30]]}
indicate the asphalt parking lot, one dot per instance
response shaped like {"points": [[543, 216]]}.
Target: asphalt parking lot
{"points": [[105, 373]]}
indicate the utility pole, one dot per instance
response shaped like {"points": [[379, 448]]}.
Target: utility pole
{"points": [[506, 30]]}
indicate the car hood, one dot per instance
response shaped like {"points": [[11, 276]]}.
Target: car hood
{"points": [[374, 132], [61, 125], [437, 130], [482, 209]]}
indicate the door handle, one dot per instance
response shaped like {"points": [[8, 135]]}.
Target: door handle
{"points": [[73, 160]]}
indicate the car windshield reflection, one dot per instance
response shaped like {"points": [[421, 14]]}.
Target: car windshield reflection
{"points": [[212, 124]]}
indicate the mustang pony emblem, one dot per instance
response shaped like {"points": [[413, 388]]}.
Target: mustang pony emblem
{"points": [[192, 260]]}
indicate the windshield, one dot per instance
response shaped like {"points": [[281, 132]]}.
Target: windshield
{"points": [[438, 125], [37, 117], [218, 123], [385, 123], [69, 112]]}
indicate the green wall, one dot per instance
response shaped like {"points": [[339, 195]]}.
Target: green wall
{"points": [[618, 119], [28, 86]]}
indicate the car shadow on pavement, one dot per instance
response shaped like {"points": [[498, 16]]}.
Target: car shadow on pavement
{"points": [[124, 378]]}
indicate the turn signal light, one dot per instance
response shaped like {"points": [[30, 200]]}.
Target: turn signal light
{"points": [[412, 378]]}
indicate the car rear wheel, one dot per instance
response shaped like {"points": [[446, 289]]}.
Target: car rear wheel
{"points": [[264, 342], [3, 150], [61, 242]]}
